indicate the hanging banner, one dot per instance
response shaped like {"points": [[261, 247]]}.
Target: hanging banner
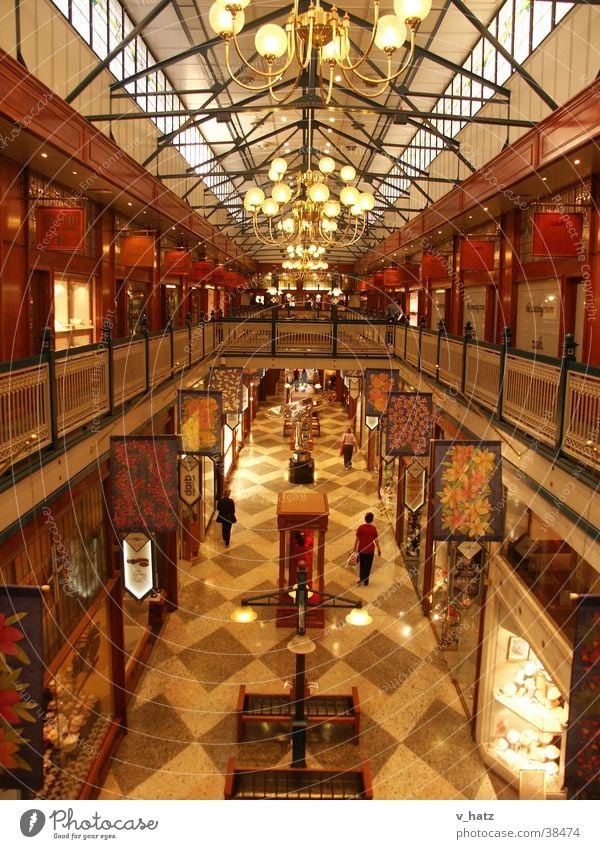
{"points": [[137, 251], [189, 480], [409, 424], [476, 255], [200, 416], [467, 491], [59, 228], [143, 473], [582, 769], [229, 382], [22, 707], [434, 265], [379, 384], [414, 486], [557, 234]]}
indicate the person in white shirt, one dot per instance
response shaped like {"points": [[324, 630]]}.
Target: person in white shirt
{"points": [[347, 446]]}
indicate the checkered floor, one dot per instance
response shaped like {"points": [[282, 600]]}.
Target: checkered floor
{"points": [[182, 728]]}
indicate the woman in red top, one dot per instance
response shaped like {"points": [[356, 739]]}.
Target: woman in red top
{"points": [[367, 539]]}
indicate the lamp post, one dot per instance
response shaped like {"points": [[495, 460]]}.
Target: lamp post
{"points": [[301, 645]]}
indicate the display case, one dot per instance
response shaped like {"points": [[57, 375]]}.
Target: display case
{"points": [[79, 711], [302, 523], [528, 715]]}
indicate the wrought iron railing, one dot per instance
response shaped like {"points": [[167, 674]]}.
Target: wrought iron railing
{"points": [[554, 401]]}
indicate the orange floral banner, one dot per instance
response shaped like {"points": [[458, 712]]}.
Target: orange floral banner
{"points": [[467, 491], [200, 416], [379, 384]]}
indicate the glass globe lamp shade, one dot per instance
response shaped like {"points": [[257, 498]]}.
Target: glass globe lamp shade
{"points": [[253, 198], [271, 41], [407, 10], [270, 207], [366, 201], [335, 50], [332, 209], [279, 165], [327, 225], [391, 33], [288, 225], [349, 196], [222, 21], [287, 264], [281, 192], [359, 616], [347, 173], [356, 210], [318, 193], [243, 613], [326, 165]]}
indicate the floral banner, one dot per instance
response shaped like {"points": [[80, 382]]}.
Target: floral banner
{"points": [[21, 688], [582, 770], [409, 424], [379, 383], [200, 415], [229, 382], [467, 491], [144, 482]]}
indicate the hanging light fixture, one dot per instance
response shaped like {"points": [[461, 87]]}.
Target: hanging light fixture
{"points": [[327, 36], [309, 217]]}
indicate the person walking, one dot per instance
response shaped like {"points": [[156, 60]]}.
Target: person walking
{"points": [[226, 515], [367, 539], [347, 446]]}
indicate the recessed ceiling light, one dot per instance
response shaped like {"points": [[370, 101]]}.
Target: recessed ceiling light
{"points": [[173, 227], [485, 209], [577, 161], [44, 156], [74, 172], [439, 232], [338, 78], [329, 130], [283, 119], [544, 179], [470, 216], [129, 203]]}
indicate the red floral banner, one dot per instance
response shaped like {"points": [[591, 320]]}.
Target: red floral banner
{"points": [[59, 228], [229, 382], [200, 415], [467, 491], [582, 769], [379, 384], [21, 688], [409, 424], [476, 255], [557, 234], [144, 481]]}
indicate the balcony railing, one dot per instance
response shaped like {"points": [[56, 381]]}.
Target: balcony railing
{"points": [[44, 400]]}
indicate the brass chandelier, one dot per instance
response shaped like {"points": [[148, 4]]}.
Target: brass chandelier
{"points": [[308, 217], [326, 36]]}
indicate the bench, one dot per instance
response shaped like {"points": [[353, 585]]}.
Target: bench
{"points": [[259, 707], [290, 783]]}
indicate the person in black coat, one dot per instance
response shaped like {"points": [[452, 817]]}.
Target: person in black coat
{"points": [[226, 515]]}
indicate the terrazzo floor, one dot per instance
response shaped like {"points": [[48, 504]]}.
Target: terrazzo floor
{"points": [[182, 728]]}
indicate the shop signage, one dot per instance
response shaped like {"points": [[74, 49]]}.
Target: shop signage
{"points": [[59, 228], [557, 234], [189, 480], [434, 265], [476, 255], [137, 251], [176, 262], [414, 487], [469, 549], [138, 565]]}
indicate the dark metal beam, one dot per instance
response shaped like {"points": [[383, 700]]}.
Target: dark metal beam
{"points": [[506, 54], [105, 63]]}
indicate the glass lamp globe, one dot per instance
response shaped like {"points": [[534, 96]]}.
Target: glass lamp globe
{"points": [[366, 201], [318, 193], [359, 616], [356, 210], [347, 173], [279, 165], [410, 9], [281, 192], [222, 21], [335, 50], [254, 198], [391, 33], [271, 41], [243, 613], [349, 196], [331, 209], [326, 165], [288, 225], [270, 207]]}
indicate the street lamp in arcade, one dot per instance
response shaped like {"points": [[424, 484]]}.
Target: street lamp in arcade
{"points": [[301, 644]]}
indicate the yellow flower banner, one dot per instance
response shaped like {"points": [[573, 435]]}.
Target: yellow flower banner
{"points": [[467, 491]]}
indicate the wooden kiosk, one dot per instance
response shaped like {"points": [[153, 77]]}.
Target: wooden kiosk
{"points": [[302, 519]]}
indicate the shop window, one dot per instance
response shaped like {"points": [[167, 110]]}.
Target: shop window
{"points": [[73, 311]]}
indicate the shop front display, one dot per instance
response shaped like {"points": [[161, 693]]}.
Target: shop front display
{"points": [[529, 714]]}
